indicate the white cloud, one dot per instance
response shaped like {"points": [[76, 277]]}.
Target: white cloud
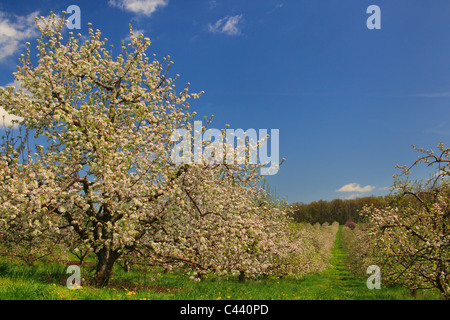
{"points": [[355, 187], [352, 196], [385, 188], [228, 25], [6, 118], [145, 7], [136, 32], [14, 31], [17, 85]]}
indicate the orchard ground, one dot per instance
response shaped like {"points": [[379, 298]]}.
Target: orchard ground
{"points": [[45, 281]]}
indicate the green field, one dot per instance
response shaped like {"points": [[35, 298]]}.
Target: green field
{"points": [[48, 282]]}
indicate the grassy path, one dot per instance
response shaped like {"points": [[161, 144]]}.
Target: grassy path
{"points": [[336, 282], [338, 275]]}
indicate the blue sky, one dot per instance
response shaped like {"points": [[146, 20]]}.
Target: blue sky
{"points": [[348, 101]]}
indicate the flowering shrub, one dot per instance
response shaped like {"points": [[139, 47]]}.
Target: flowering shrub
{"points": [[350, 224]]}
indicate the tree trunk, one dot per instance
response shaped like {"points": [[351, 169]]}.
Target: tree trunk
{"points": [[106, 259], [126, 266], [242, 277]]}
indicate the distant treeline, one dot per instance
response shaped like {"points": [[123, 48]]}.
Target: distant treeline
{"points": [[339, 210]]}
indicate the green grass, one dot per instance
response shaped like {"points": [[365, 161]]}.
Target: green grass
{"points": [[337, 283], [47, 282]]}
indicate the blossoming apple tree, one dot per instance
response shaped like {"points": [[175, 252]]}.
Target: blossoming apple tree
{"points": [[104, 170], [104, 179], [411, 238]]}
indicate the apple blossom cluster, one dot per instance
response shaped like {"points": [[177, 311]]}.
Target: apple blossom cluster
{"points": [[228, 146]]}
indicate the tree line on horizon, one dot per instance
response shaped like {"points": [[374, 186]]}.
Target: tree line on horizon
{"points": [[340, 210]]}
